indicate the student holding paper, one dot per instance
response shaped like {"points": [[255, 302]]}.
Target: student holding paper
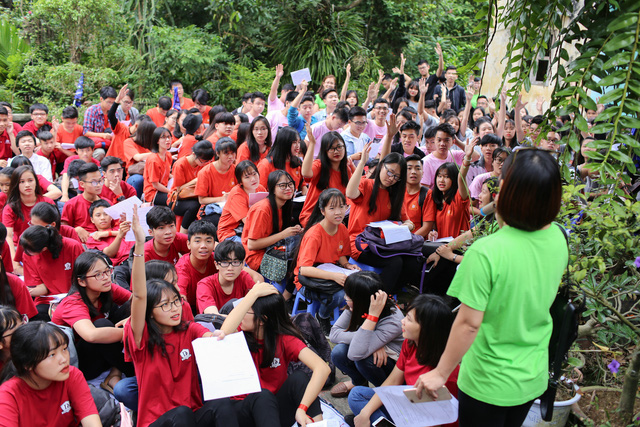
{"points": [[426, 330], [275, 342], [158, 342]]}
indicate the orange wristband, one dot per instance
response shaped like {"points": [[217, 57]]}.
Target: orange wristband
{"points": [[305, 408], [370, 317]]}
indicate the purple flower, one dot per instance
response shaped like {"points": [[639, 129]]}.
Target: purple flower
{"points": [[637, 262], [613, 366]]}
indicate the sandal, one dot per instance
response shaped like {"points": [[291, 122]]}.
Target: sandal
{"points": [[340, 390], [105, 384]]}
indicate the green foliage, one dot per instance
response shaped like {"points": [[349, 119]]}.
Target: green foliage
{"points": [[240, 79], [12, 48]]}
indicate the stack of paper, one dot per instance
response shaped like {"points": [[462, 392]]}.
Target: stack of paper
{"points": [[392, 232], [126, 207]]}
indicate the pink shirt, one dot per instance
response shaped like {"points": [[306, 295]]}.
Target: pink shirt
{"points": [[476, 185], [318, 130], [275, 105], [277, 120], [432, 163], [375, 132]]}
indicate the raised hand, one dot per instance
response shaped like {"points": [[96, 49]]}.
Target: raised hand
{"points": [[348, 70], [279, 71], [438, 49], [392, 129], [122, 93], [422, 85]]}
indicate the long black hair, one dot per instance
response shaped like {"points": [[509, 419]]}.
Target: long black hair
{"points": [[47, 213], [82, 265], [6, 295], [36, 238], [280, 151], [440, 198], [155, 289], [396, 191], [287, 208], [144, 133], [359, 287], [155, 138], [254, 148], [325, 163], [270, 310], [13, 198], [435, 319]]}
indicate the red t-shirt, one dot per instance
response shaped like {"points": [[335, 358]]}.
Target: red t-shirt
{"points": [[335, 181], [24, 302], [3, 200], [408, 364], [453, 219], [6, 257], [156, 170], [258, 225], [31, 127], [76, 213], [120, 134], [359, 216], [244, 154], [55, 157], [65, 231], [416, 214], [183, 172], [165, 382], [10, 219], [54, 273], [210, 292], [177, 248], [287, 350], [130, 150], [265, 167], [235, 209], [111, 197], [122, 254], [157, 117], [70, 159], [318, 247], [63, 136], [188, 276], [62, 404], [212, 183], [72, 309], [5, 145], [187, 144]]}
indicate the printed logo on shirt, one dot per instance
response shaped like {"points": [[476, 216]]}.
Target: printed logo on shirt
{"points": [[340, 245], [275, 363], [66, 407], [185, 354], [377, 139], [67, 266]]}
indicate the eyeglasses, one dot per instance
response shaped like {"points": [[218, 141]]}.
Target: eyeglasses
{"points": [[38, 114], [95, 183], [360, 123], [285, 185], [102, 274], [337, 148], [391, 174], [233, 262], [165, 137], [115, 171], [167, 306]]}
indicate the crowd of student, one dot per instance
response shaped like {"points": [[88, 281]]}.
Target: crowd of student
{"points": [[427, 153]]}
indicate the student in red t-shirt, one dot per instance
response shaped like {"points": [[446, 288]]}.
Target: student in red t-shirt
{"points": [[115, 189], [284, 155], [330, 170], [13, 292], [94, 310], [46, 389], [217, 179], [426, 330], [10, 321], [258, 141], [449, 207], [216, 293], [106, 238], [52, 151], [192, 134], [200, 99], [69, 130], [236, 207], [223, 125], [377, 199], [274, 342], [158, 342], [416, 211], [325, 240], [7, 137], [76, 211], [85, 148], [137, 150], [48, 188], [159, 112], [157, 168], [166, 244]]}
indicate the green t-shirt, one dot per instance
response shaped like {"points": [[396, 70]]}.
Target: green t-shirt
{"points": [[513, 277], [320, 102]]}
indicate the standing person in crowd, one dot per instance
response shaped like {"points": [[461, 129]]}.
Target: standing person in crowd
{"points": [[431, 79], [451, 90], [503, 347]]}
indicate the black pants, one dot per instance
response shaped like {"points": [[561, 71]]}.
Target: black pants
{"points": [[160, 199], [475, 413], [397, 270], [217, 412], [188, 210], [290, 395], [43, 313], [258, 410], [94, 359], [440, 277]]}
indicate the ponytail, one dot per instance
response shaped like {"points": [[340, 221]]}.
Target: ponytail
{"points": [[36, 238]]}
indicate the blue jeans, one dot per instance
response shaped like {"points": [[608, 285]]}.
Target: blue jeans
{"points": [[328, 302], [137, 182], [126, 391], [361, 371], [234, 239], [358, 399]]}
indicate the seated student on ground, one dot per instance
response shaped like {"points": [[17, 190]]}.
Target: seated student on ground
{"points": [[159, 112], [216, 293], [48, 189], [426, 329], [299, 120], [84, 148], [26, 143], [200, 99], [415, 197], [24, 193], [278, 117], [157, 168], [171, 123], [334, 123], [448, 201], [69, 130], [354, 136], [156, 339], [136, 152], [45, 390], [166, 244], [52, 151], [499, 156], [48, 262], [115, 189], [223, 126], [13, 291], [377, 128], [284, 155], [330, 98], [325, 239], [216, 180], [94, 308], [5, 183], [258, 141], [122, 129], [193, 129], [76, 211], [39, 113], [234, 212], [10, 321], [126, 112], [370, 324], [106, 238], [16, 126]]}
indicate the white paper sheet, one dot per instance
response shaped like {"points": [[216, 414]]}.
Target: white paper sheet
{"points": [[300, 75], [336, 269], [126, 207], [68, 146], [407, 414], [375, 149], [392, 232], [226, 367], [300, 199], [256, 197]]}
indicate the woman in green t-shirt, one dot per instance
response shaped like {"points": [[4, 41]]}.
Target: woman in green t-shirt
{"points": [[506, 284]]}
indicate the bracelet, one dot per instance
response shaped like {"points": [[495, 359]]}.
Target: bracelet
{"points": [[454, 257], [482, 213], [366, 316], [135, 254], [305, 408]]}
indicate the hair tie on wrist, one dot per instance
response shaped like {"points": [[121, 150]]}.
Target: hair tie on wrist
{"points": [[482, 213]]}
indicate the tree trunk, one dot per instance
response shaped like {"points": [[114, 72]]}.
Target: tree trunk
{"points": [[629, 389]]}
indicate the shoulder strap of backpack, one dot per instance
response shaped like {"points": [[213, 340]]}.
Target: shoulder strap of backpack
{"points": [[423, 195]]}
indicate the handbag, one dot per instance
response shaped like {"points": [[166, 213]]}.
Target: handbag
{"points": [[374, 239], [323, 286], [183, 192], [136, 168], [274, 263]]}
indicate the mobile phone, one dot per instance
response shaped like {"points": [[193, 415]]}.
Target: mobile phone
{"points": [[443, 394], [382, 422]]}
